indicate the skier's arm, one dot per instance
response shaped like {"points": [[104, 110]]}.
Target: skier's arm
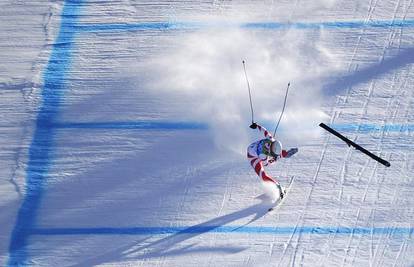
{"points": [[262, 129]]}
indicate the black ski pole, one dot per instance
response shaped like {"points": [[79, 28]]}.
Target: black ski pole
{"points": [[248, 87], [284, 105]]}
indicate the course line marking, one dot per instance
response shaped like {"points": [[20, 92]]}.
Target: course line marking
{"points": [[188, 25], [40, 150], [316, 230]]}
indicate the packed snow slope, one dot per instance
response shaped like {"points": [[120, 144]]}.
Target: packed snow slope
{"points": [[124, 128]]}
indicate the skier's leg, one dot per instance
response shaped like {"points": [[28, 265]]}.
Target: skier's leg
{"points": [[257, 165]]}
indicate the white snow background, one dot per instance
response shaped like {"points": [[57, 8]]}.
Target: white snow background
{"points": [[124, 128]]}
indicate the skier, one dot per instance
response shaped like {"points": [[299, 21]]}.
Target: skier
{"points": [[264, 152]]}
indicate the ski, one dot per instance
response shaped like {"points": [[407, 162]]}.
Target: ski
{"points": [[356, 146], [280, 201]]}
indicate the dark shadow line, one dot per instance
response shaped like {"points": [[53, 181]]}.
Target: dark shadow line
{"points": [[403, 58]]}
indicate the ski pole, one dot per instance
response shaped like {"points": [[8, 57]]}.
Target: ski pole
{"points": [[248, 87], [284, 105]]}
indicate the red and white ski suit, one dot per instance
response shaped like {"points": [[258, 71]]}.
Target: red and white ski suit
{"points": [[258, 159]]}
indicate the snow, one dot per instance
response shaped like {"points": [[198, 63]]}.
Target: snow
{"points": [[124, 128]]}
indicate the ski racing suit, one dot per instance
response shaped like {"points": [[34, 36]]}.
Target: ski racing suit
{"points": [[259, 156]]}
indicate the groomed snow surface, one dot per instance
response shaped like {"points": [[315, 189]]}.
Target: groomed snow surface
{"points": [[124, 128]]}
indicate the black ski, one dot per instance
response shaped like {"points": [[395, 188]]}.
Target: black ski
{"points": [[356, 146]]}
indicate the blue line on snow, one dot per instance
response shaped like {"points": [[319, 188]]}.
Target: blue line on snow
{"points": [[333, 25], [250, 25], [127, 27], [223, 229], [366, 128], [139, 125], [41, 147], [189, 125]]}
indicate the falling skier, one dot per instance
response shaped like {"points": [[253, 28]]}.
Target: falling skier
{"points": [[264, 152]]}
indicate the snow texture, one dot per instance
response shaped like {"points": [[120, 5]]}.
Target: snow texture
{"points": [[124, 128]]}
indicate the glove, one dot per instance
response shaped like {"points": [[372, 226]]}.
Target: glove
{"points": [[291, 152], [253, 126]]}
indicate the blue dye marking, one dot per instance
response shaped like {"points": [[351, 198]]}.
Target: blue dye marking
{"points": [[177, 125], [125, 27], [41, 147], [251, 25], [368, 128], [333, 25], [223, 229], [138, 125]]}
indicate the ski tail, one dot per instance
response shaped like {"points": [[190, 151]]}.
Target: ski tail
{"points": [[280, 201]]}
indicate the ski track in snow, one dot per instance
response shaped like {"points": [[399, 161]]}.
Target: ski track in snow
{"points": [[98, 169]]}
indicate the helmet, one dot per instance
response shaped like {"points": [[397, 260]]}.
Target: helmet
{"points": [[276, 148]]}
